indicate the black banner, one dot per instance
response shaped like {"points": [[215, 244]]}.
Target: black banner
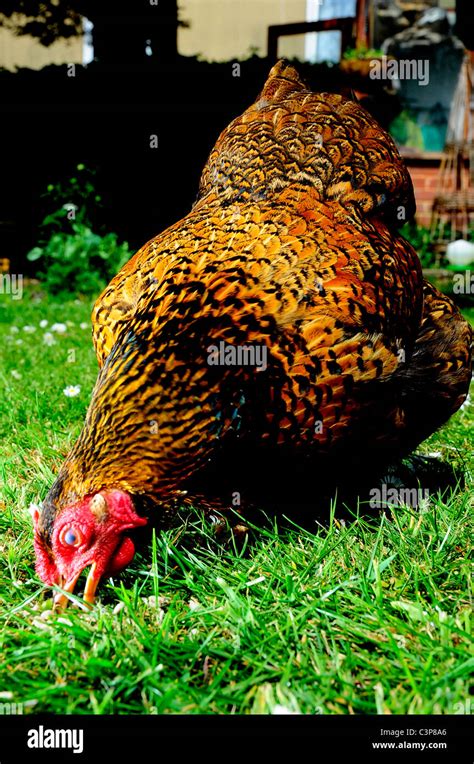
{"points": [[124, 738]]}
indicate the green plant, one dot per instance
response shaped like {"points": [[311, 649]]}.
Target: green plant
{"points": [[405, 130], [75, 258], [81, 261], [361, 53], [76, 193], [420, 239]]}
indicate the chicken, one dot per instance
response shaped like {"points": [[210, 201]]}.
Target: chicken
{"points": [[284, 318]]}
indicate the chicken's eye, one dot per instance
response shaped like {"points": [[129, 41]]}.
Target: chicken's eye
{"points": [[71, 536], [379, 193]]}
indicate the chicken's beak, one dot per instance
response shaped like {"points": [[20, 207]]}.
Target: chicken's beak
{"points": [[91, 585], [61, 599]]}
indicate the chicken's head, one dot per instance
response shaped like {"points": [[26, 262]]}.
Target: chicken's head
{"points": [[91, 532]]}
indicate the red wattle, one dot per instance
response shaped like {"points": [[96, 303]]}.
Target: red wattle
{"points": [[122, 557]]}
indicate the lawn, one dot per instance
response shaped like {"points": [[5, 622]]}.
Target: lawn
{"points": [[369, 616]]}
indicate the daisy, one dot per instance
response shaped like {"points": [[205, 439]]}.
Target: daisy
{"points": [[48, 339], [29, 329], [43, 323], [84, 325], [71, 391], [15, 374], [14, 329], [59, 328]]}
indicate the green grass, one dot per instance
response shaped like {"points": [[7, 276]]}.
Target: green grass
{"points": [[370, 616]]}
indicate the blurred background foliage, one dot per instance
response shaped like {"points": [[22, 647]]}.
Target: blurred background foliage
{"points": [[71, 257]]}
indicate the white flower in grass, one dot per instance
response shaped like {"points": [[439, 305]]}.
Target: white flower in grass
{"points": [[29, 329], [19, 342], [14, 329], [59, 328], [43, 323], [15, 374], [48, 339], [71, 391], [84, 325]]}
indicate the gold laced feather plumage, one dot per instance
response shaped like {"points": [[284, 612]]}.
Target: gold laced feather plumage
{"points": [[291, 245]]}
